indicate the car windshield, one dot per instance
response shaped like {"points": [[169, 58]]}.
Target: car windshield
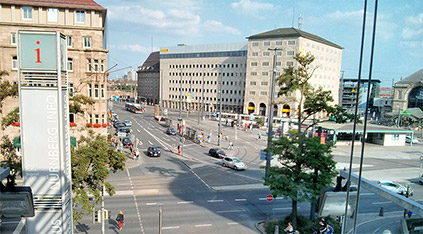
{"points": [[237, 160], [153, 148]]}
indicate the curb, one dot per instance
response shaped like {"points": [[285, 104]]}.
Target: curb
{"points": [[259, 226]]}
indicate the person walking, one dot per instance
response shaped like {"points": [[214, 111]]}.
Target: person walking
{"points": [[120, 218], [137, 154], [179, 149], [289, 228], [230, 146], [259, 135]]}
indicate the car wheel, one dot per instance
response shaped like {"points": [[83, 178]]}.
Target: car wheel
{"points": [[223, 164], [236, 168]]}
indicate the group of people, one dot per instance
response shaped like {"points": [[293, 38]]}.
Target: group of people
{"points": [[325, 228]]}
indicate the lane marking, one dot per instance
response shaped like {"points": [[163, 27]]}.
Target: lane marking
{"points": [[285, 208], [150, 142], [279, 198], [234, 223], [136, 203], [203, 225], [138, 130], [174, 227], [241, 199], [379, 203], [151, 204], [214, 200], [20, 226], [193, 172], [185, 202], [367, 194], [229, 211], [262, 199]]}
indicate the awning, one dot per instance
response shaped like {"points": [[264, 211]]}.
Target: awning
{"points": [[73, 141], [17, 142]]}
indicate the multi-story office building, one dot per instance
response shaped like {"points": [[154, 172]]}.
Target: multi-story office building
{"points": [[149, 79], [189, 73], [349, 93], [291, 41], [82, 21]]}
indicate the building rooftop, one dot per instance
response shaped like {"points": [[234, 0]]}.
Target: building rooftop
{"points": [[152, 63], [416, 77], [292, 32], [221, 47], [81, 4]]}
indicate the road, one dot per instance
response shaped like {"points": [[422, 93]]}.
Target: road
{"points": [[198, 195]]}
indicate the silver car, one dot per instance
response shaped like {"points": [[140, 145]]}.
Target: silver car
{"points": [[233, 162], [395, 187]]}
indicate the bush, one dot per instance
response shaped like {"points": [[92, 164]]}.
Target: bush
{"points": [[304, 224]]}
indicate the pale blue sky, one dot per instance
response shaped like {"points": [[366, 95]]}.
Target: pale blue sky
{"points": [[136, 26]]}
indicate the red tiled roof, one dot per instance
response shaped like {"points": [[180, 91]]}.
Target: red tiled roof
{"points": [[79, 4]]}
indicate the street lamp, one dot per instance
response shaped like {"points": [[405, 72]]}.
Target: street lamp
{"points": [[270, 119]]}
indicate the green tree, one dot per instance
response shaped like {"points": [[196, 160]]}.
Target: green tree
{"points": [[92, 163], [340, 115], [77, 101], [11, 117], [13, 161], [7, 89], [299, 156]]}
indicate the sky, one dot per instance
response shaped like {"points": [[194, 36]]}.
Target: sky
{"points": [[135, 28]]}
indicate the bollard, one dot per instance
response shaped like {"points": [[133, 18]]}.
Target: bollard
{"points": [[381, 211]]}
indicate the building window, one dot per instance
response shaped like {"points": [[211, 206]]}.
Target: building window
{"points": [[14, 62], [96, 119], [70, 64], [253, 73], [27, 13], [253, 64], [278, 63], [80, 17], [252, 83], [266, 53], [52, 14], [103, 119], [102, 65], [90, 94], [69, 41], [89, 65], [264, 83], [265, 64], [291, 42], [279, 43], [96, 92], [290, 64], [255, 44], [252, 92], [290, 53], [71, 90], [278, 53], [102, 91], [265, 73], [72, 117], [263, 93], [266, 43], [87, 42], [13, 38], [254, 54], [95, 65]]}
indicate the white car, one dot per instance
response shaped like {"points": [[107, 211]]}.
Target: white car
{"points": [[127, 123], [233, 162], [408, 140], [395, 187]]}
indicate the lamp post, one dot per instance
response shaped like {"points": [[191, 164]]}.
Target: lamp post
{"points": [[270, 119]]}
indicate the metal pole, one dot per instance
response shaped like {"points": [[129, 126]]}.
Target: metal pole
{"points": [[102, 210], [180, 94], [270, 119], [160, 220], [219, 78], [202, 97]]}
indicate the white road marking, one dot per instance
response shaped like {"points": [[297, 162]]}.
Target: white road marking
{"points": [[379, 203], [203, 225], [367, 194], [279, 198], [229, 211], [21, 225], [234, 223], [151, 204], [151, 143], [138, 130], [241, 199], [204, 182], [185, 202], [262, 199], [136, 203], [285, 208], [214, 200], [174, 227]]}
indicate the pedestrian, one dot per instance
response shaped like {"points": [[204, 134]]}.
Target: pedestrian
{"points": [[137, 154], [230, 146], [329, 229], [259, 135], [323, 226], [179, 149], [289, 228], [208, 138], [120, 218]]}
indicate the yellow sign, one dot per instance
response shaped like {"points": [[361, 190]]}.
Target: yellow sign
{"points": [[285, 110], [250, 108], [164, 50]]}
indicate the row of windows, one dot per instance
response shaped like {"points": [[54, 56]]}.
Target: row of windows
{"points": [[263, 83], [267, 43], [53, 15], [241, 83], [241, 74], [262, 93], [242, 53], [263, 73], [86, 41], [232, 65], [207, 98], [322, 48], [278, 53], [207, 90], [99, 91], [96, 118]]}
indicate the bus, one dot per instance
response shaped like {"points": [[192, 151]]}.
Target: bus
{"points": [[133, 107]]}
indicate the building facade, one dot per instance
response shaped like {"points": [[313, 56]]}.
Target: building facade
{"points": [[348, 91], [191, 75], [408, 92], [149, 79], [82, 21], [290, 41]]}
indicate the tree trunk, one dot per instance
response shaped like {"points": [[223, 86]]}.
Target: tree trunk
{"points": [[294, 214]]}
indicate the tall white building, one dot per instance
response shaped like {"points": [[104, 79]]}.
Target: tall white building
{"points": [[188, 73]]}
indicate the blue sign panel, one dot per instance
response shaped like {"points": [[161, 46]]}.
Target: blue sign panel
{"points": [[263, 155], [38, 51]]}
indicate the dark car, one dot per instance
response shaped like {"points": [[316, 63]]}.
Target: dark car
{"points": [[217, 153], [153, 151], [171, 131], [124, 129], [126, 142], [116, 123]]}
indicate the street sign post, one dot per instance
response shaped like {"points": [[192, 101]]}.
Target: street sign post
{"points": [[269, 197], [263, 155]]}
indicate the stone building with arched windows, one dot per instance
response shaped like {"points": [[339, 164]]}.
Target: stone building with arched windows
{"points": [[408, 93]]}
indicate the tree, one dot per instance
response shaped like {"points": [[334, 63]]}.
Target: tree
{"points": [[13, 161], [340, 115], [92, 163], [307, 166], [76, 102], [11, 117], [7, 89]]}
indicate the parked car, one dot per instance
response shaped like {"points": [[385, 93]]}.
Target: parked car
{"points": [[153, 151], [171, 131], [395, 187], [124, 129], [233, 162], [126, 142], [408, 140], [217, 153], [116, 123], [127, 123]]}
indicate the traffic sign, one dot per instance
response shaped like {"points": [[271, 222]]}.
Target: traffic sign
{"points": [[263, 155], [269, 197]]}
